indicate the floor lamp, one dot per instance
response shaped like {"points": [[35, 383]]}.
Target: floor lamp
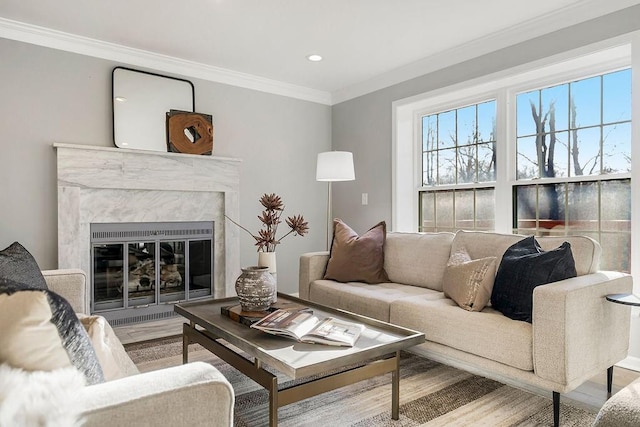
{"points": [[334, 166]]}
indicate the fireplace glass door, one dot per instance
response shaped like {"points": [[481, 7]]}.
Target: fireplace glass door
{"points": [[150, 266]]}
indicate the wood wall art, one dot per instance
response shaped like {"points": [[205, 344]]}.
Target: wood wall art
{"points": [[190, 133]]}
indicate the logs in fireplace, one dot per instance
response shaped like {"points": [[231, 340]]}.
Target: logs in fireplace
{"points": [[139, 270]]}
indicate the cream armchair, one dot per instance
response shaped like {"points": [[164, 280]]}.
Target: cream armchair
{"points": [[196, 394]]}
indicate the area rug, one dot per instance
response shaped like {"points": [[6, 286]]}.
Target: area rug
{"points": [[431, 394]]}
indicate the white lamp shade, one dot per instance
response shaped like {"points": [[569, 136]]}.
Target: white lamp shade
{"points": [[335, 166]]}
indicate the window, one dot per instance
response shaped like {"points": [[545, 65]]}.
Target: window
{"points": [[458, 147], [574, 138], [545, 152]]}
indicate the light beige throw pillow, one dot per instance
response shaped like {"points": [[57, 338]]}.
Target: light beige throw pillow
{"points": [[104, 343], [28, 338], [469, 282]]}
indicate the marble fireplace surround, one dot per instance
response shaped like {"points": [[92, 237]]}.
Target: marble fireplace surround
{"points": [[102, 184]]}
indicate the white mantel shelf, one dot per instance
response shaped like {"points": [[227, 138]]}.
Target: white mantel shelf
{"points": [[108, 184]]}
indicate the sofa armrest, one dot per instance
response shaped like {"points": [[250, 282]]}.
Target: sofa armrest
{"points": [[577, 333], [312, 267], [195, 394], [70, 284]]}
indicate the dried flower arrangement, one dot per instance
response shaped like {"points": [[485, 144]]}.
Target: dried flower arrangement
{"points": [[266, 240]]}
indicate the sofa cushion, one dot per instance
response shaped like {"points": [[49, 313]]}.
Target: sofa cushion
{"points": [[469, 282], [480, 244], [486, 334], [41, 332], [356, 258], [361, 298], [417, 259], [18, 265], [523, 267]]}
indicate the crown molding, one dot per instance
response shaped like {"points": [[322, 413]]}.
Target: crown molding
{"points": [[559, 19], [41, 36]]}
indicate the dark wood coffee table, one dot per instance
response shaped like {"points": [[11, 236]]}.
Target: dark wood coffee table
{"points": [[376, 352]]}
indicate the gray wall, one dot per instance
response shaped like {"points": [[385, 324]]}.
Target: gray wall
{"points": [[363, 125], [52, 96]]}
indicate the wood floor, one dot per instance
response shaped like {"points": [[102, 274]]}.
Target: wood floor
{"points": [[589, 395]]}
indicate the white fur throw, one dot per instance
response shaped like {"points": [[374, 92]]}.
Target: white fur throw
{"points": [[39, 398]]}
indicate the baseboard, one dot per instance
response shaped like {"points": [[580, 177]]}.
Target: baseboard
{"points": [[631, 362]]}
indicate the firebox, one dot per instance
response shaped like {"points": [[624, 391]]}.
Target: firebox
{"points": [[140, 270]]}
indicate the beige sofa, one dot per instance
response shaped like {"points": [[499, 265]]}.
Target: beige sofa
{"points": [[195, 394], [575, 333]]}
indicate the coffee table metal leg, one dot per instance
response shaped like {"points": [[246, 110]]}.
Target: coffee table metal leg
{"points": [[185, 347], [273, 403], [395, 389]]}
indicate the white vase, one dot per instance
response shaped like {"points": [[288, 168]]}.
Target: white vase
{"points": [[268, 259]]}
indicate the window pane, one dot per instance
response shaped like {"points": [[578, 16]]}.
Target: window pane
{"points": [[616, 147], [427, 211], [527, 158], [444, 210], [585, 151], [582, 197], [428, 168], [446, 129], [486, 162], [616, 205], [557, 165], [464, 209], [586, 102], [487, 121], [551, 205], [526, 201], [616, 96], [466, 125], [524, 103], [429, 132], [555, 102], [447, 166], [467, 164], [485, 209]]}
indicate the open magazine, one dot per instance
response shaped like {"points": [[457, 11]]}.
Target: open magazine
{"points": [[301, 325]]}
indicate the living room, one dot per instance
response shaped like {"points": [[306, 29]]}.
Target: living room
{"points": [[56, 83]]}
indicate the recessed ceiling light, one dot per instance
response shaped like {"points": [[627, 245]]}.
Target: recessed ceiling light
{"points": [[314, 57], [121, 99]]}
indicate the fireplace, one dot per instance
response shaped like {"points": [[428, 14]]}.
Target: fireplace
{"points": [[147, 227], [139, 270]]}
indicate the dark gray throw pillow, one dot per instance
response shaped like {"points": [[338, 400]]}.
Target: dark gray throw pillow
{"points": [[18, 265], [524, 266], [67, 333]]}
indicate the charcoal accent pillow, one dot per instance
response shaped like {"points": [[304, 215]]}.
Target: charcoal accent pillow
{"points": [[524, 266], [469, 282], [356, 258], [40, 332], [18, 265]]}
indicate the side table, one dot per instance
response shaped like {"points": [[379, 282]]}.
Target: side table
{"points": [[626, 299]]}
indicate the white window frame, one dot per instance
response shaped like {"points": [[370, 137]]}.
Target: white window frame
{"points": [[604, 57]]}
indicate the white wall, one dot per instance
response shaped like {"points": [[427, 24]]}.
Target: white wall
{"points": [[49, 96]]}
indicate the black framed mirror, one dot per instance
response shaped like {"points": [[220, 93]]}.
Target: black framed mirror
{"points": [[140, 102]]}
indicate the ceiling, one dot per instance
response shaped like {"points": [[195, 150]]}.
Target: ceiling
{"points": [[362, 41]]}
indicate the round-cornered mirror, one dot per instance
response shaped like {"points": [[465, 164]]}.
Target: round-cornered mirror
{"points": [[141, 101]]}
